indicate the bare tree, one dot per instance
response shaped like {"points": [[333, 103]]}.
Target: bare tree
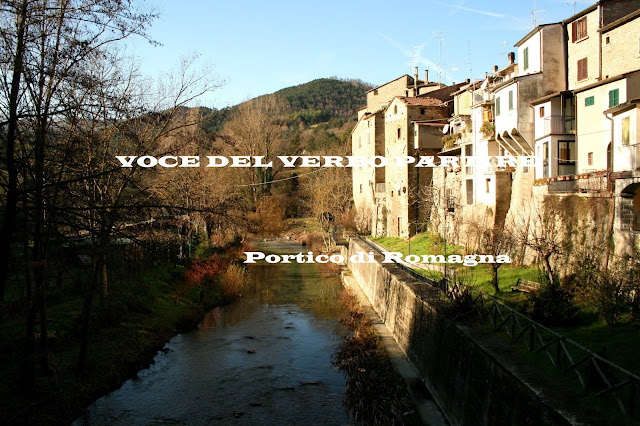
{"points": [[256, 129]]}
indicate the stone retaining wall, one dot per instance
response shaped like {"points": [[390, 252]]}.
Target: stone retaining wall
{"points": [[459, 365]]}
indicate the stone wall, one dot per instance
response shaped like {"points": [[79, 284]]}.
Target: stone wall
{"points": [[458, 367]]}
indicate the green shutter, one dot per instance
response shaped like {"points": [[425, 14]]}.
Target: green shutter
{"points": [[510, 100], [526, 58], [497, 106], [589, 101], [614, 97]]}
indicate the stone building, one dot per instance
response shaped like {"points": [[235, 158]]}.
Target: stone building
{"points": [[403, 213]]}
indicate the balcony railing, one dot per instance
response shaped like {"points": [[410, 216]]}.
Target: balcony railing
{"points": [[380, 188], [559, 124]]}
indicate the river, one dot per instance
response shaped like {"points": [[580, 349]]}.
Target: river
{"points": [[265, 359]]}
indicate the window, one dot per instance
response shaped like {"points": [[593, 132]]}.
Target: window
{"points": [[541, 112], [590, 159], [360, 141], [422, 110], [510, 100], [487, 185], [526, 58], [625, 131], [582, 69], [368, 123], [398, 132], [395, 109], [375, 91], [361, 188], [566, 158], [614, 97], [497, 106], [589, 101], [469, 191], [607, 40], [579, 29]]}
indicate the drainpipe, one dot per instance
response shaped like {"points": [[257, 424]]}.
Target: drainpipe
{"points": [[613, 200]]}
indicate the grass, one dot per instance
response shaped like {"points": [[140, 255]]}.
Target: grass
{"points": [[142, 314], [617, 344]]}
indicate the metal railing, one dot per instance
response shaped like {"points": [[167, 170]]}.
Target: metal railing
{"points": [[597, 376], [559, 124], [380, 187]]}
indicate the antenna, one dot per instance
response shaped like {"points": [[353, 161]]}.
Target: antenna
{"points": [[469, 59], [574, 3], [534, 14], [415, 54], [503, 53], [440, 36]]}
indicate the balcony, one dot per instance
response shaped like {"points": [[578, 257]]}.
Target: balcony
{"points": [[559, 124], [380, 188]]}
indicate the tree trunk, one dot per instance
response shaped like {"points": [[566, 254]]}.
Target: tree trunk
{"points": [[494, 279], [8, 226], [547, 267], [103, 277]]}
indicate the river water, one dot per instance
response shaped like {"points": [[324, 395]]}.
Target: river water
{"points": [[265, 359]]}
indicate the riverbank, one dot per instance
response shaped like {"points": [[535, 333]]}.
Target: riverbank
{"points": [[142, 313]]}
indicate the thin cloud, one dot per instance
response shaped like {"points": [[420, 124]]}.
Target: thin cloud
{"points": [[419, 59], [481, 12], [468, 9]]}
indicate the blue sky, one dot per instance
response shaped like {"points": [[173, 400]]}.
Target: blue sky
{"points": [[259, 47]]}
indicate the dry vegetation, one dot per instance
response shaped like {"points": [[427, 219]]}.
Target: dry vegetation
{"points": [[375, 394]]}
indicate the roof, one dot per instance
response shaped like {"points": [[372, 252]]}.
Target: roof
{"points": [[413, 101], [396, 79], [621, 21], [582, 13], [444, 93], [532, 32], [548, 97], [513, 80], [604, 81], [473, 84], [623, 107]]}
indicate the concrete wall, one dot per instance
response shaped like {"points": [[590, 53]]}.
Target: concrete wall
{"points": [[460, 369]]}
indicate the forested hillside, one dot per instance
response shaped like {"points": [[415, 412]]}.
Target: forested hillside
{"points": [[317, 101]]}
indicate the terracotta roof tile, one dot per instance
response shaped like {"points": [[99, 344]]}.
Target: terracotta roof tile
{"points": [[422, 101]]}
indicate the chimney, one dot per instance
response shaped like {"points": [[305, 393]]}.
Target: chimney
{"points": [[426, 76], [468, 81], [512, 58], [415, 82], [495, 69]]}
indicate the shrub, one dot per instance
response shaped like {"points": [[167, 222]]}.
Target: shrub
{"points": [[232, 281], [613, 292], [362, 220], [552, 304], [488, 129], [269, 217]]}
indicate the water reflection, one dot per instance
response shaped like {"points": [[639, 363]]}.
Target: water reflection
{"points": [[262, 360]]}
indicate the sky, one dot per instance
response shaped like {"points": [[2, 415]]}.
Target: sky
{"points": [[259, 47]]}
